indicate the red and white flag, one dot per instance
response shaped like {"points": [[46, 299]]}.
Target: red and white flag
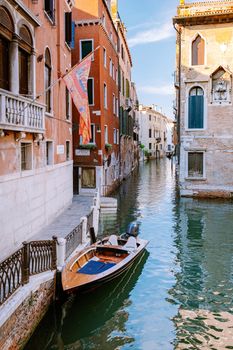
{"points": [[76, 82]]}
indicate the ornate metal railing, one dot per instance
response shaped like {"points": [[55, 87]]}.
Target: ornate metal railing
{"points": [[11, 275], [42, 256], [33, 258], [89, 221], [73, 239]]}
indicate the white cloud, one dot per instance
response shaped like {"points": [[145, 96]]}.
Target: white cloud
{"points": [[152, 35], [157, 90]]}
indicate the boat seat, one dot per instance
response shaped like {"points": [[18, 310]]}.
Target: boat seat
{"points": [[112, 240], [131, 244]]}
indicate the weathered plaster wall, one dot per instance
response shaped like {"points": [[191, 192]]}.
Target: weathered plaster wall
{"points": [[31, 201]]}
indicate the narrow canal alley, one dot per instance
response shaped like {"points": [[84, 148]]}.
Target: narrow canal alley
{"points": [[177, 296]]}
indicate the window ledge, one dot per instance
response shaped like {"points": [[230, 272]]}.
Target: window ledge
{"points": [[49, 114], [196, 178]]}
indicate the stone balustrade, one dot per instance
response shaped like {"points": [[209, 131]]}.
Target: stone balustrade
{"points": [[18, 113]]}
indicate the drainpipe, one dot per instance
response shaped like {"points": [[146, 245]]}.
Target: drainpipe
{"points": [[179, 94]]}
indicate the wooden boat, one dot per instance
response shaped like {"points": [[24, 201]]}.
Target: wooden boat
{"points": [[101, 262]]}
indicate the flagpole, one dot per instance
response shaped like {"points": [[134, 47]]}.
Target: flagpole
{"points": [[56, 81]]}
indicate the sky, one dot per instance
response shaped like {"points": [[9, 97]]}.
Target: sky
{"points": [[151, 38]]}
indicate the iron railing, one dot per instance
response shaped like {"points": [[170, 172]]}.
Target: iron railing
{"points": [[73, 239], [90, 221], [42, 256], [33, 258], [11, 277]]}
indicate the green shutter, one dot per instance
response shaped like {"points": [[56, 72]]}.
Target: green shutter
{"points": [[86, 47], [196, 112]]}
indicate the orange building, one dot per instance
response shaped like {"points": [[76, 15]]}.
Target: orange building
{"points": [[35, 127], [96, 165]]}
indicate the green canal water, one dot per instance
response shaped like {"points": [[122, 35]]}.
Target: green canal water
{"points": [[179, 294]]}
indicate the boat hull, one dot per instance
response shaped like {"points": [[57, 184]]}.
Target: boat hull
{"points": [[107, 277]]}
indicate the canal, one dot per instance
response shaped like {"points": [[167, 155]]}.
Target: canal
{"points": [[179, 295]]}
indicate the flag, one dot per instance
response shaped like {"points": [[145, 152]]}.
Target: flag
{"points": [[76, 82]]}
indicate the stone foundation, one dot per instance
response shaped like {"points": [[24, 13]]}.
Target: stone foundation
{"points": [[16, 331]]}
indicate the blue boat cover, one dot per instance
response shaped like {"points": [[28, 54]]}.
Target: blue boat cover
{"points": [[95, 267]]}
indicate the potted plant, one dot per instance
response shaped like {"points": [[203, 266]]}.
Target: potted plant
{"points": [[88, 146], [108, 146]]}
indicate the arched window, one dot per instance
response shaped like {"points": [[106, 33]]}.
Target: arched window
{"points": [[48, 70], [198, 51], [6, 32], [25, 48], [196, 108]]}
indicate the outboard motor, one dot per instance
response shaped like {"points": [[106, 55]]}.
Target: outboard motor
{"points": [[132, 229]]}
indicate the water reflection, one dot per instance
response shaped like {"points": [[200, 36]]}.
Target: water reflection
{"points": [[179, 297], [93, 320], [204, 284]]}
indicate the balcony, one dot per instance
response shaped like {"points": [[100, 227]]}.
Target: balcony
{"points": [[18, 113]]}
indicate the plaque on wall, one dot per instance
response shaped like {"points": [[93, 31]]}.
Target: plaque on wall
{"points": [[82, 152], [60, 149]]}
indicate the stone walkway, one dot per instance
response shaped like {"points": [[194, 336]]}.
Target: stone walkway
{"points": [[68, 220]]}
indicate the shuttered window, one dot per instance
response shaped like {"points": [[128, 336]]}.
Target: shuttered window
{"points": [[196, 109], [86, 47], [68, 27], [198, 51], [195, 164], [23, 72], [4, 64], [49, 9], [48, 70]]}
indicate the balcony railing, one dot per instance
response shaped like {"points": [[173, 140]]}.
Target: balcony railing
{"points": [[18, 113]]}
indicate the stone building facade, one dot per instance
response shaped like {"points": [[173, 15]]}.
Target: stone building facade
{"points": [[152, 132], [35, 126], [204, 98]]}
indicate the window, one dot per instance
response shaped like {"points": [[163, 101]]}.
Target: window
{"points": [[105, 96], [127, 89], [198, 51], [118, 136], [49, 152], [48, 70], [86, 46], [88, 178], [196, 108], [114, 136], [114, 104], [23, 71], [92, 140], [68, 27], [113, 72], [6, 34], [26, 156], [68, 105], [117, 107], [49, 9], [149, 132], [110, 67], [90, 89], [149, 117], [123, 84], [195, 164], [4, 64], [117, 78], [67, 150], [150, 145], [105, 134], [105, 57], [122, 53]]}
